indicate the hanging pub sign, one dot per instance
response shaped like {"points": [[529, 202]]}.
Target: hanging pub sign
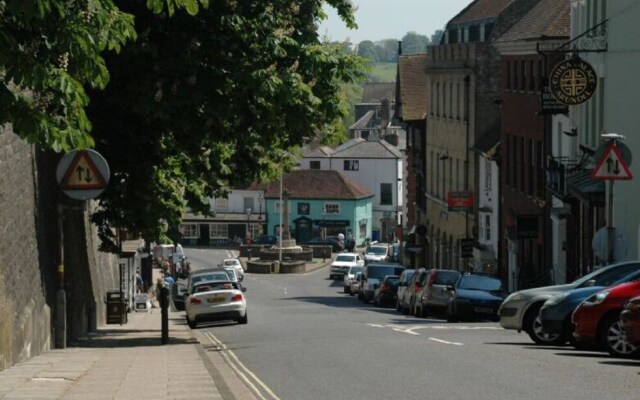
{"points": [[573, 81]]}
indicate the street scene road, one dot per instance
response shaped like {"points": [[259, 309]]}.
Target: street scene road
{"points": [[306, 339]]}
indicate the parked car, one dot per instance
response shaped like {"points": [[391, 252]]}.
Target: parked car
{"points": [[475, 296], [387, 291], [350, 275], [207, 274], [403, 285], [378, 252], [266, 240], [236, 265], [433, 297], [597, 320], [409, 296], [555, 314], [342, 262], [630, 321], [215, 301], [178, 294], [373, 274], [521, 309], [356, 284]]}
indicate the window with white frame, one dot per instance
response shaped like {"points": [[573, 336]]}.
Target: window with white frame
{"points": [[218, 231], [249, 204], [331, 208], [386, 194], [351, 165], [189, 231]]}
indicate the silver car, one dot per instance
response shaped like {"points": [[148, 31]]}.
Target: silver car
{"points": [[403, 284], [350, 275], [520, 310]]}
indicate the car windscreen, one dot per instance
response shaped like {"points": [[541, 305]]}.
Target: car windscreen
{"points": [[354, 270], [377, 250], [479, 282], [207, 286], [231, 262], [216, 276], [343, 258], [446, 277], [606, 277], [379, 272], [393, 281]]}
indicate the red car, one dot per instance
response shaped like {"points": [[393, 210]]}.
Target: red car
{"points": [[630, 321], [597, 320]]}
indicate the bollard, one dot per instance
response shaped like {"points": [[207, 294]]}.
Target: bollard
{"points": [[164, 307], [249, 252]]}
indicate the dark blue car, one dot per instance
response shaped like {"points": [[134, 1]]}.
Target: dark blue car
{"points": [[555, 314], [475, 297]]}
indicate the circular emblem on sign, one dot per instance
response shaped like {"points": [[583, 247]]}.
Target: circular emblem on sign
{"points": [[573, 81]]}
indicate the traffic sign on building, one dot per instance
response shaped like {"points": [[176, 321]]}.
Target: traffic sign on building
{"points": [[612, 165]]}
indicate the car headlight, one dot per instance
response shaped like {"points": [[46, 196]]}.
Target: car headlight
{"points": [[597, 298], [515, 297], [553, 300]]}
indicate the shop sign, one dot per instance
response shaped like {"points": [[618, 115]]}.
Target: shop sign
{"points": [[573, 81], [460, 200]]}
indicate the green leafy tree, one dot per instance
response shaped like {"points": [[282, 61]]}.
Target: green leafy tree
{"points": [[367, 49], [50, 50], [413, 43], [387, 50], [210, 98]]}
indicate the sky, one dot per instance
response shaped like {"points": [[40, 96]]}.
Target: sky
{"points": [[392, 19]]}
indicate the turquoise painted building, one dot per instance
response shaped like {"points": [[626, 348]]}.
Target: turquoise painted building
{"points": [[321, 203]]}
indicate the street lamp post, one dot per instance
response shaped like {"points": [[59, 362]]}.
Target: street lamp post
{"points": [[248, 221], [280, 227]]}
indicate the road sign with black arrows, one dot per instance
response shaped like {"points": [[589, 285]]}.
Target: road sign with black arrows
{"points": [[82, 174], [612, 166]]}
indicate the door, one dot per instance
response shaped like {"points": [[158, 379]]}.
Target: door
{"points": [[303, 230], [203, 238]]}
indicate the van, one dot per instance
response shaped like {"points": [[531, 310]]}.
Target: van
{"points": [[373, 273]]}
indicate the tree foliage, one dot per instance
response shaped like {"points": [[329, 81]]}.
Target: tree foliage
{"points": [[49, 51], [209, 98], [413, 43]]}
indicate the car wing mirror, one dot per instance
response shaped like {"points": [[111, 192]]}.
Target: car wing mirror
{"points": [[244, 289]]}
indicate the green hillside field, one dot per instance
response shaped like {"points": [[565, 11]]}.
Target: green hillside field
{"points": [[383, 72]]}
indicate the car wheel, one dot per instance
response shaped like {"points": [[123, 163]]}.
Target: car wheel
{"points": [[347, 289], [192, 324], [533, 327], [243, 320], [612, 338]]}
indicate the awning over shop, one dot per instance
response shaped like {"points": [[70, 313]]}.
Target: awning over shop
{"points": [[586, 189]]}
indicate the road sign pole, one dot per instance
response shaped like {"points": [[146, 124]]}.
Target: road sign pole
{"points": [[610, 229]]}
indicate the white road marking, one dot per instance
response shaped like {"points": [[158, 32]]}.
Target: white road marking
{"points": [[445, 342], [236, 365]]}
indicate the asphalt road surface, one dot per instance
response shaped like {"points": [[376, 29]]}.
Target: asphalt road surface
{"points": [[307, 340]]}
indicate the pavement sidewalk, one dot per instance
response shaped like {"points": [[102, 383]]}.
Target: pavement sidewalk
{"points": [[127, 362]]}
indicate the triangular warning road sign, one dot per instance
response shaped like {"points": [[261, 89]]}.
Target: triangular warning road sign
{"points": [[612, 166], [82, 174]]}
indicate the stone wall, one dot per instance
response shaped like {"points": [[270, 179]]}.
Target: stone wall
{"points": [[29, 256]]}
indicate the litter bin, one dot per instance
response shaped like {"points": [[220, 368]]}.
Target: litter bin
{"points": [[116, 311], [275, 267]]}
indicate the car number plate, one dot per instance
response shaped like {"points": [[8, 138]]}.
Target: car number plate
{"points": [[215, 299], [484, 310]]}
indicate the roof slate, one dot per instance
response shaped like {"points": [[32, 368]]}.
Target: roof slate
{"points": [[316, 184], [368, 149], [547, 18], [414, 93], [480, 10], [373, 92]]}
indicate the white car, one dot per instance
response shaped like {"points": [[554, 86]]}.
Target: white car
{"points": [[343, 262], [215, 301], [350, 275], [235, 263], [376, 253]]}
